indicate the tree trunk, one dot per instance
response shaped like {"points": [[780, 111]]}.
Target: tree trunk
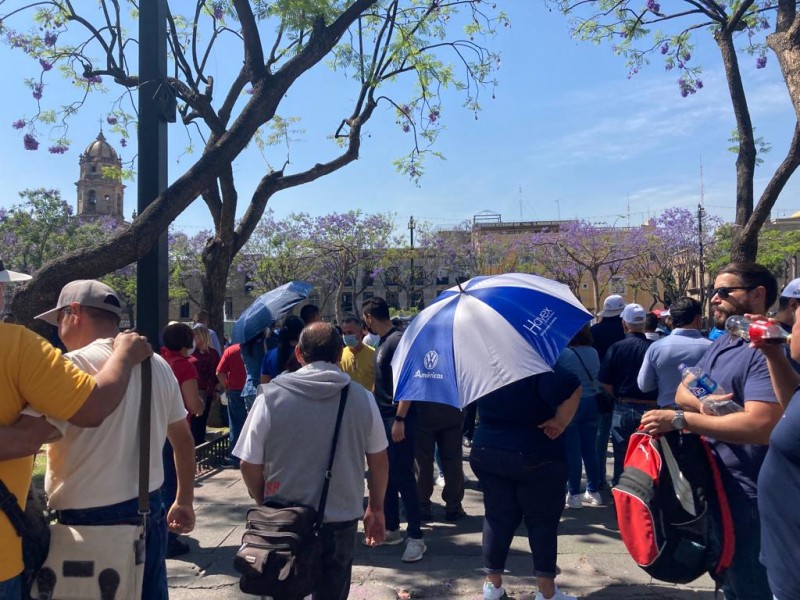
{"points": [[217, 259]]}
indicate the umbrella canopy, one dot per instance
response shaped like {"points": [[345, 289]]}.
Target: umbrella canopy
{"points": [[485, 334], [268, 308]]}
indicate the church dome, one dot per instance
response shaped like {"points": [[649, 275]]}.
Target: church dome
{"points": [[100, 149]]}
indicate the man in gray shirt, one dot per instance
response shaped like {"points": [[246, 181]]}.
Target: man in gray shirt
{"points": [[285, 444], [685, 345]]}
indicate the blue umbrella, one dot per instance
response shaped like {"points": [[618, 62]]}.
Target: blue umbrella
{"points": [[484, 334], [267, 309]]}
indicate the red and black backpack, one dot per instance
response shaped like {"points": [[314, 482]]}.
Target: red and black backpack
{"points": [[672, 510]]}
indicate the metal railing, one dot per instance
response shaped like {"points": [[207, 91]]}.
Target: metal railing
{"points": [[212, 454]]}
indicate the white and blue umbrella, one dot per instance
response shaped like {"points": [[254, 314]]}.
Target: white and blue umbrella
{"points": [[483, 335]]}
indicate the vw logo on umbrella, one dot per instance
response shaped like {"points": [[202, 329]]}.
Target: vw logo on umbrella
{"points": [[431, 360]]}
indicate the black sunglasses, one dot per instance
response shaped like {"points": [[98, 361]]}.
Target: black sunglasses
{"points": [[724, 292]]}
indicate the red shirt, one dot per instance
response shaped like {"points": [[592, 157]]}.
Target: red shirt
{"points": [[181, 366], [232, 365]]}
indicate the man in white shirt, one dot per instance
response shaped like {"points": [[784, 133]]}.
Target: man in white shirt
{"points": [[91, 474]]}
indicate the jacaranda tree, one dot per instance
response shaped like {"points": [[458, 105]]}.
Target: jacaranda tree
{"points": [[641, 30], [400, 55]]}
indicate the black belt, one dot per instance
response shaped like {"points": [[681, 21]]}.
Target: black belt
{"points": [[639, 402]]}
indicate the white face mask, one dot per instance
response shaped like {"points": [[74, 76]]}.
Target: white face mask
{"points": [[351, 341]]}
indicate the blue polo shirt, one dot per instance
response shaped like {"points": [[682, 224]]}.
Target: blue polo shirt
{"points": [[659, 370], [742, 370], [778, 491], [621, 365]]}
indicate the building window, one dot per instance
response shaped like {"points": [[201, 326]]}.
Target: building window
{"points": [[347, 302], [392, 277], [248, 284], [444, 280], [366, 296], [92, 201], [617, 285], [228, 308], [393, 299], [185, 310], [415, 299], [94, 169], [348, 282], [367, 279]]}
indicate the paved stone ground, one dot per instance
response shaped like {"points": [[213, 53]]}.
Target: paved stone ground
{"points": [[593, 560]]}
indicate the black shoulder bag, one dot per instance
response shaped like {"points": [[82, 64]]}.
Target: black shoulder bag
{"points": [[281, 552], [605, 401]]}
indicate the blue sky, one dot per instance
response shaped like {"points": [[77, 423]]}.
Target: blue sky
{"points": [[567, 134]]}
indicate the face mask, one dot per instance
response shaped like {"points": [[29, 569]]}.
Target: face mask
{"points": [[351, 341]]}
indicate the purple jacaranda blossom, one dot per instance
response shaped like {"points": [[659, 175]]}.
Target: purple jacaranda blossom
{"points": [[218, 14], [111, 120], [249, 91], [698, 83], [45, 64], [406, 127], [761, 61], [123, 142], [653, 6], [687, 56], [664, 48], [58, 149], [19, 123], [50, 38], [30, 142], [37, 89], [94, 79]]}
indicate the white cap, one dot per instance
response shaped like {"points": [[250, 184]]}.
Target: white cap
{"points": [[7, 276], [612, 306], [634, 314], [792, 289]]}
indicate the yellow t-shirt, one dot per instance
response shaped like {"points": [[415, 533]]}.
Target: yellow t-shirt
{"points": [[360, 365], [31, 372]]}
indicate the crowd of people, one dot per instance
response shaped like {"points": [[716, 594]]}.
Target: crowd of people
{"points": [[537, 440]]}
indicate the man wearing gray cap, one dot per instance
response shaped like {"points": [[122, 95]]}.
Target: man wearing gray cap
{"points": [[91, 473], [618, 373], [35, 374]]}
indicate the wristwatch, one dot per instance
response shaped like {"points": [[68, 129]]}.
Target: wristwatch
{"points": [[399, 419], [679, 421]]}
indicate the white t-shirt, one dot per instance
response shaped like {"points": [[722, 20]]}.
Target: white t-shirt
{"points": [[99, 466]]}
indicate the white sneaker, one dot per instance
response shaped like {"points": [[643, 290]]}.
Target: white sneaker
{"points": [[574, 501], [414, 551], [393, 538], [559, 595], [593, 498], [439, 481], [492, 593]]}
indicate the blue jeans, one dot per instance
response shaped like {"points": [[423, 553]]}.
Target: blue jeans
{"points": [[580, 440], [127, 513], [402, 480], [516, 487], [747, 577], [603, 432], [11, 589], [237, 413], [625, 420]]}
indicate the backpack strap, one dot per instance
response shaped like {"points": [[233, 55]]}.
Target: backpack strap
{"points": [[10, 506], [589, 375], [144, 439], [328, 472]]}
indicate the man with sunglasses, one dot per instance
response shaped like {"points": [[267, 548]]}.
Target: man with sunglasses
{"points": [[739, 439]]}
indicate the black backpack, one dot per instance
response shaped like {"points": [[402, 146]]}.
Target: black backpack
{"points": [[672, 510]]}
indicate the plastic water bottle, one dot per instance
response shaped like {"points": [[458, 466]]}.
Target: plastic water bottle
{"points": [[702, 387], [698, 382], [756, 331]]}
